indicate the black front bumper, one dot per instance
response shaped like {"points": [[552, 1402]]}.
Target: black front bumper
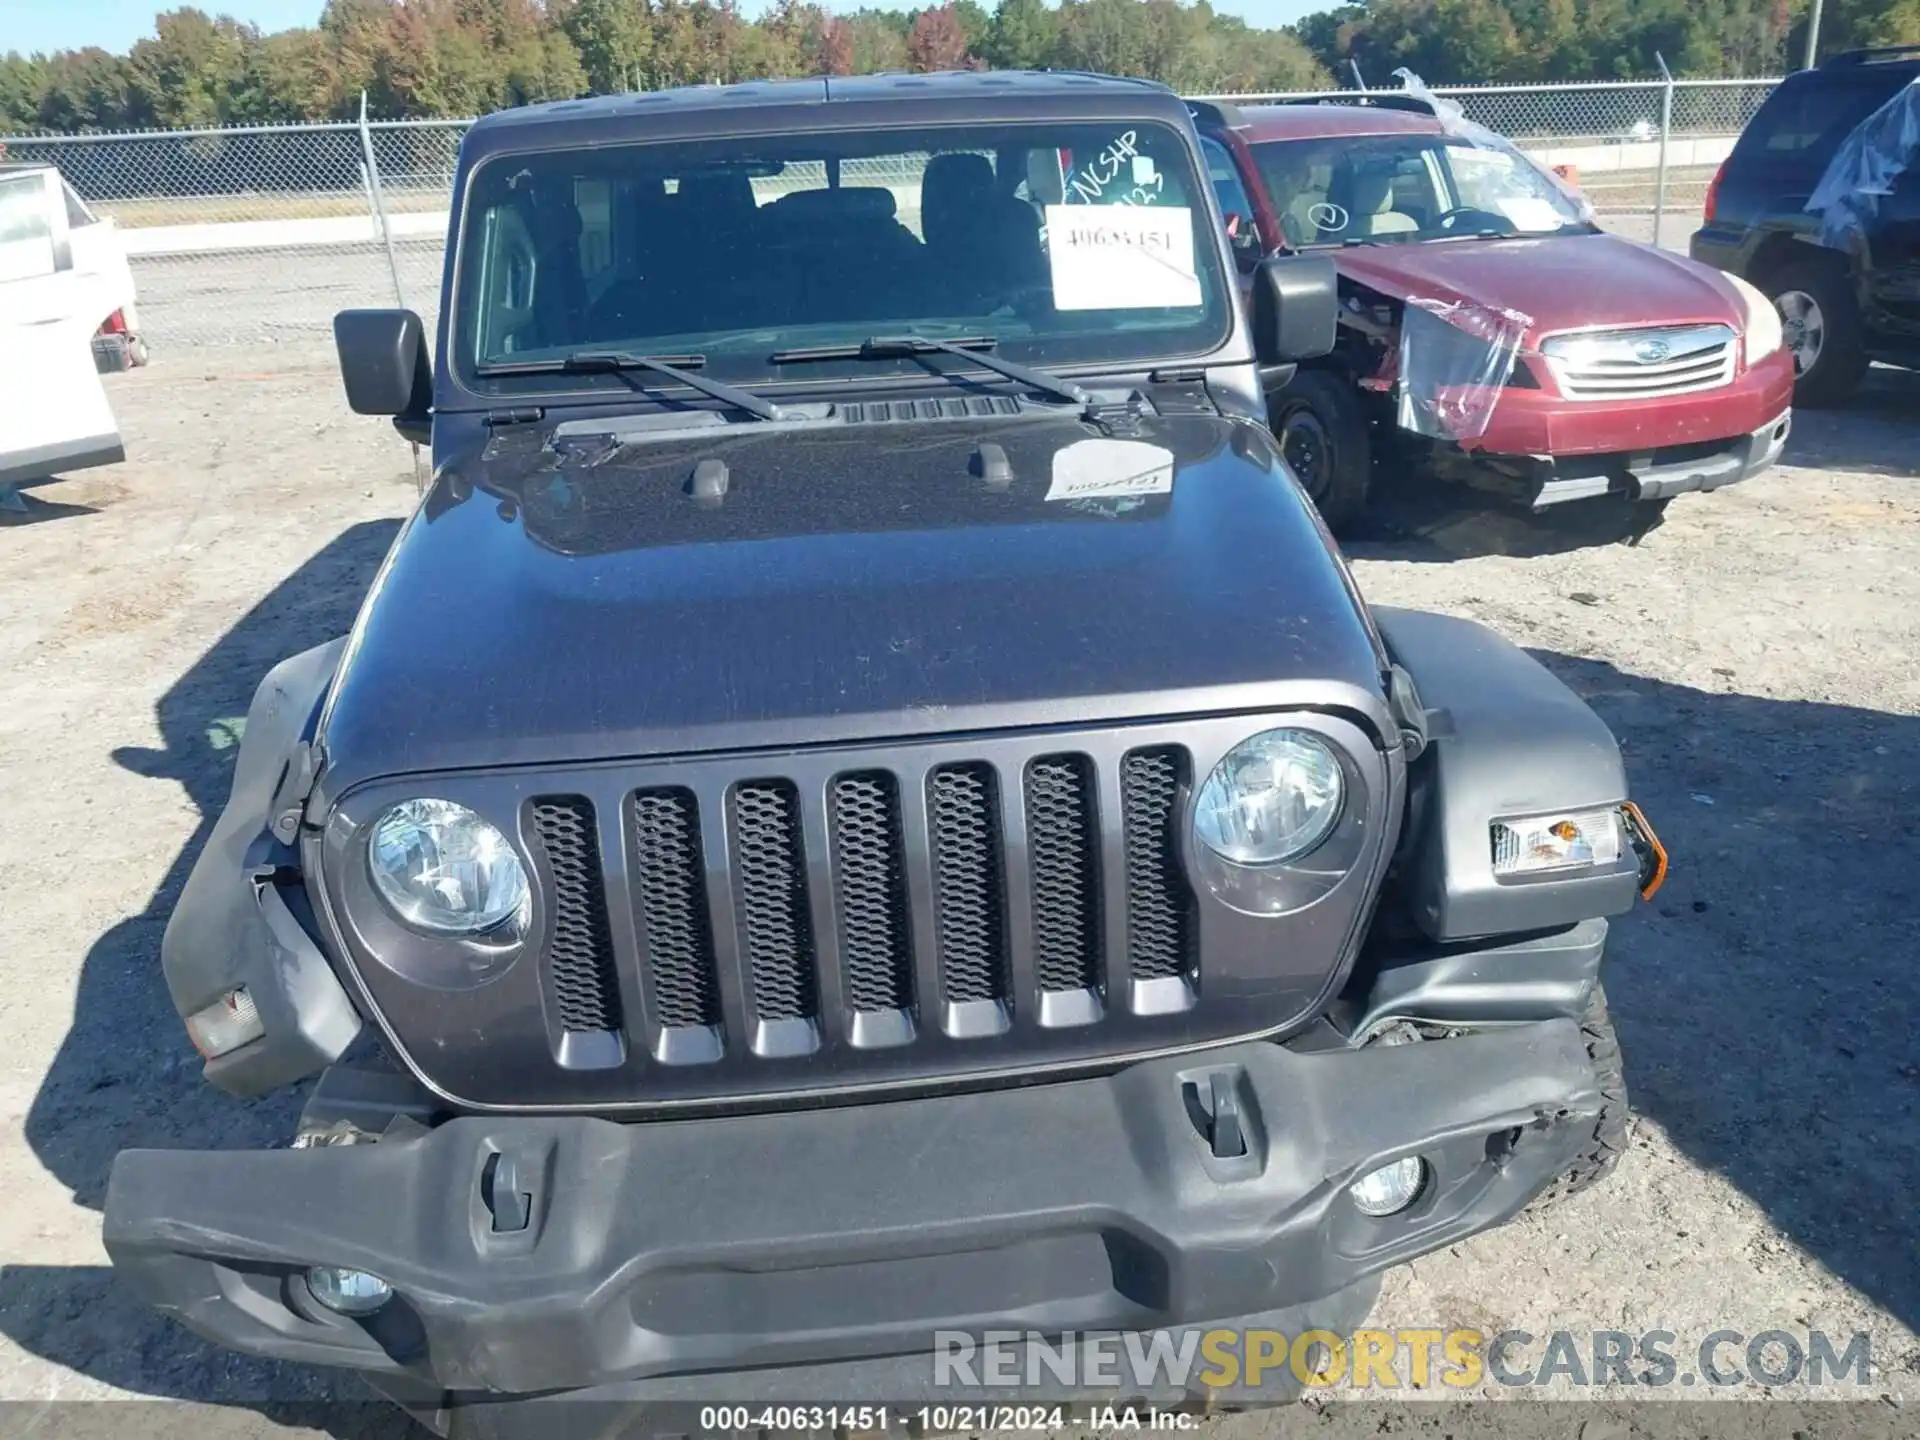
{"points": [[818, 1237]]}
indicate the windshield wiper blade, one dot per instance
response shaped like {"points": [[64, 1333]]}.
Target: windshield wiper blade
{"points": [[620, 362], [967, 347]]}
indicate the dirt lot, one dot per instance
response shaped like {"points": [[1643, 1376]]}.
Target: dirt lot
{"points": [[1756, 656]]}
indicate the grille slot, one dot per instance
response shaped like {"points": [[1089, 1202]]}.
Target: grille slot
{"points": [[1642, 364], [770, 885], [670, 892], [1063, 855], [869, 866], [580, 954], [1161, 929], [963, 816]]}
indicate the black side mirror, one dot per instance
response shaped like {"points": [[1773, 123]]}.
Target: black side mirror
{"points": [[1296, 308], [384, 362]]}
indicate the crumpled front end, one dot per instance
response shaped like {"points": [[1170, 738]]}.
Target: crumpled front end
{"points": [[540, 1254]]}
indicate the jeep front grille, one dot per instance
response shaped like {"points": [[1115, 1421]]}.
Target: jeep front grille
{"points": [[813, 924], [869, 858], [580, 953], [1641, 364], [952, 954], [1159, 913], [670, 896], [970, 912], [770, 885], [1063, 838]]}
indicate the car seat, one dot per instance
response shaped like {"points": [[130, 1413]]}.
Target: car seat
{"points": [[985, 244], [1370, 206]]}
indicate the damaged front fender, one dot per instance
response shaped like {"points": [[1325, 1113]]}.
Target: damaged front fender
{"points": [[237, 925]]}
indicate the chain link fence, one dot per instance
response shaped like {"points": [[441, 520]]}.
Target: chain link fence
{"points": [[254, 237]]}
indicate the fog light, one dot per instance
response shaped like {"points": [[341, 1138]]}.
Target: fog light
{"points": [[227, 1024], [1391, 1188], [348, 1292]]}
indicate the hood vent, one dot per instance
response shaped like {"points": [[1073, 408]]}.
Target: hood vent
{"points": [[946, 407]]}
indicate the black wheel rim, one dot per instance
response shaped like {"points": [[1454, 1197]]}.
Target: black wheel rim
{"points": [[1308, 450]]}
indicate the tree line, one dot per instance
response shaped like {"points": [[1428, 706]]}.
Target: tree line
{"points": [[427, 58], [1491, 41]]}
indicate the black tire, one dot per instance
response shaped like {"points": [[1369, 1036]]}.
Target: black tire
{"points": [[1322, 431], [1608, 1142], [1839, 356]]}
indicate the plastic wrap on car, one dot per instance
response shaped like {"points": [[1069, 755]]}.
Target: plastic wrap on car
{"points": [[1453, 120], [1455, 359], [1864, 168]]}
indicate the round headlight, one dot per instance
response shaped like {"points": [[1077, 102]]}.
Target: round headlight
{"points": [[445, 870], [1272, 798]]}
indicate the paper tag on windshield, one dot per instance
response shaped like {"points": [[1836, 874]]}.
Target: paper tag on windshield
{"points": [[1103, 469], [1121, 257], [1531, 215]]}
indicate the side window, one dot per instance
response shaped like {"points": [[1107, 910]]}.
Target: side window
{"points": [[1806, 119], [508, 268], [78, 216], [1225, 176], [26, 232]]}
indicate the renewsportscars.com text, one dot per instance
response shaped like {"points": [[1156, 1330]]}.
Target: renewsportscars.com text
{"points": [[1409, 1359]]}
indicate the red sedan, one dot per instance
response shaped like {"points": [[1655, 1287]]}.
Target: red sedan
{"points": [[1486, 317]]}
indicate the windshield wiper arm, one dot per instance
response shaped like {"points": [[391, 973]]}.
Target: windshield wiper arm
{"points": [[969, 347], [620, 362]]}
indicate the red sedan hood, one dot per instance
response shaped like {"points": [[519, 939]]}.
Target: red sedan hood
{"points": [[1563, 282]]}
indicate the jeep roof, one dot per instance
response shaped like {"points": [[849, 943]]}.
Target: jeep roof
{"points": [[829, 102]]}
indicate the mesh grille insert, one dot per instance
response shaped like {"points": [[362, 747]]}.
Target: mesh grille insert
{"points": [[1160, 908], [770, 883], [869, 866], [963, 814], [1063, 839], [580, 954], [670, 890]]}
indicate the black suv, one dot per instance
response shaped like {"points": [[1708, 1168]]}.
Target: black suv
{"points": [[1841, 308], [864, 802]]}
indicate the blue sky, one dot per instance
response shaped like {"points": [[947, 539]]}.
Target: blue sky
{"points": [[32, 25]]}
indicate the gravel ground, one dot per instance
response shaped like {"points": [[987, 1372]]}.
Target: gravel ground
{"points": [[1755, 655]]}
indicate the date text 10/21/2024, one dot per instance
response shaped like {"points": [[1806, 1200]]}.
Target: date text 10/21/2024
{"points": [[944, 1419]]}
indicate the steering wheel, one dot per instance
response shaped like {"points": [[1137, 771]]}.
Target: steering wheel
{"points": [[1444, 220]]}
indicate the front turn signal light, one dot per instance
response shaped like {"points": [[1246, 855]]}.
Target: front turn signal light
{"points": [[226, 1025], [1647, 847]]}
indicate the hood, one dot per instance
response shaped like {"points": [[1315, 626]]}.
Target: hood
{"points": [[567, 598], [1561, 282]]}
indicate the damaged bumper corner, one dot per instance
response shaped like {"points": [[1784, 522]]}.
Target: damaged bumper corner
{"points": [[1661, 474], [625, 1252]]}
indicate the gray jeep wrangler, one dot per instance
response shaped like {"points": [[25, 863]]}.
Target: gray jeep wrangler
{"points": [[864, 802]]}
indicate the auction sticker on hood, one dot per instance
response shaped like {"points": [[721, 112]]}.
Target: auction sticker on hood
{"points": [[1121, 257], [1104, 469]]}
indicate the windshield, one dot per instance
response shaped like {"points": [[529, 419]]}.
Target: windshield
{"points": [[1063, 243], [1383, 188]]}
